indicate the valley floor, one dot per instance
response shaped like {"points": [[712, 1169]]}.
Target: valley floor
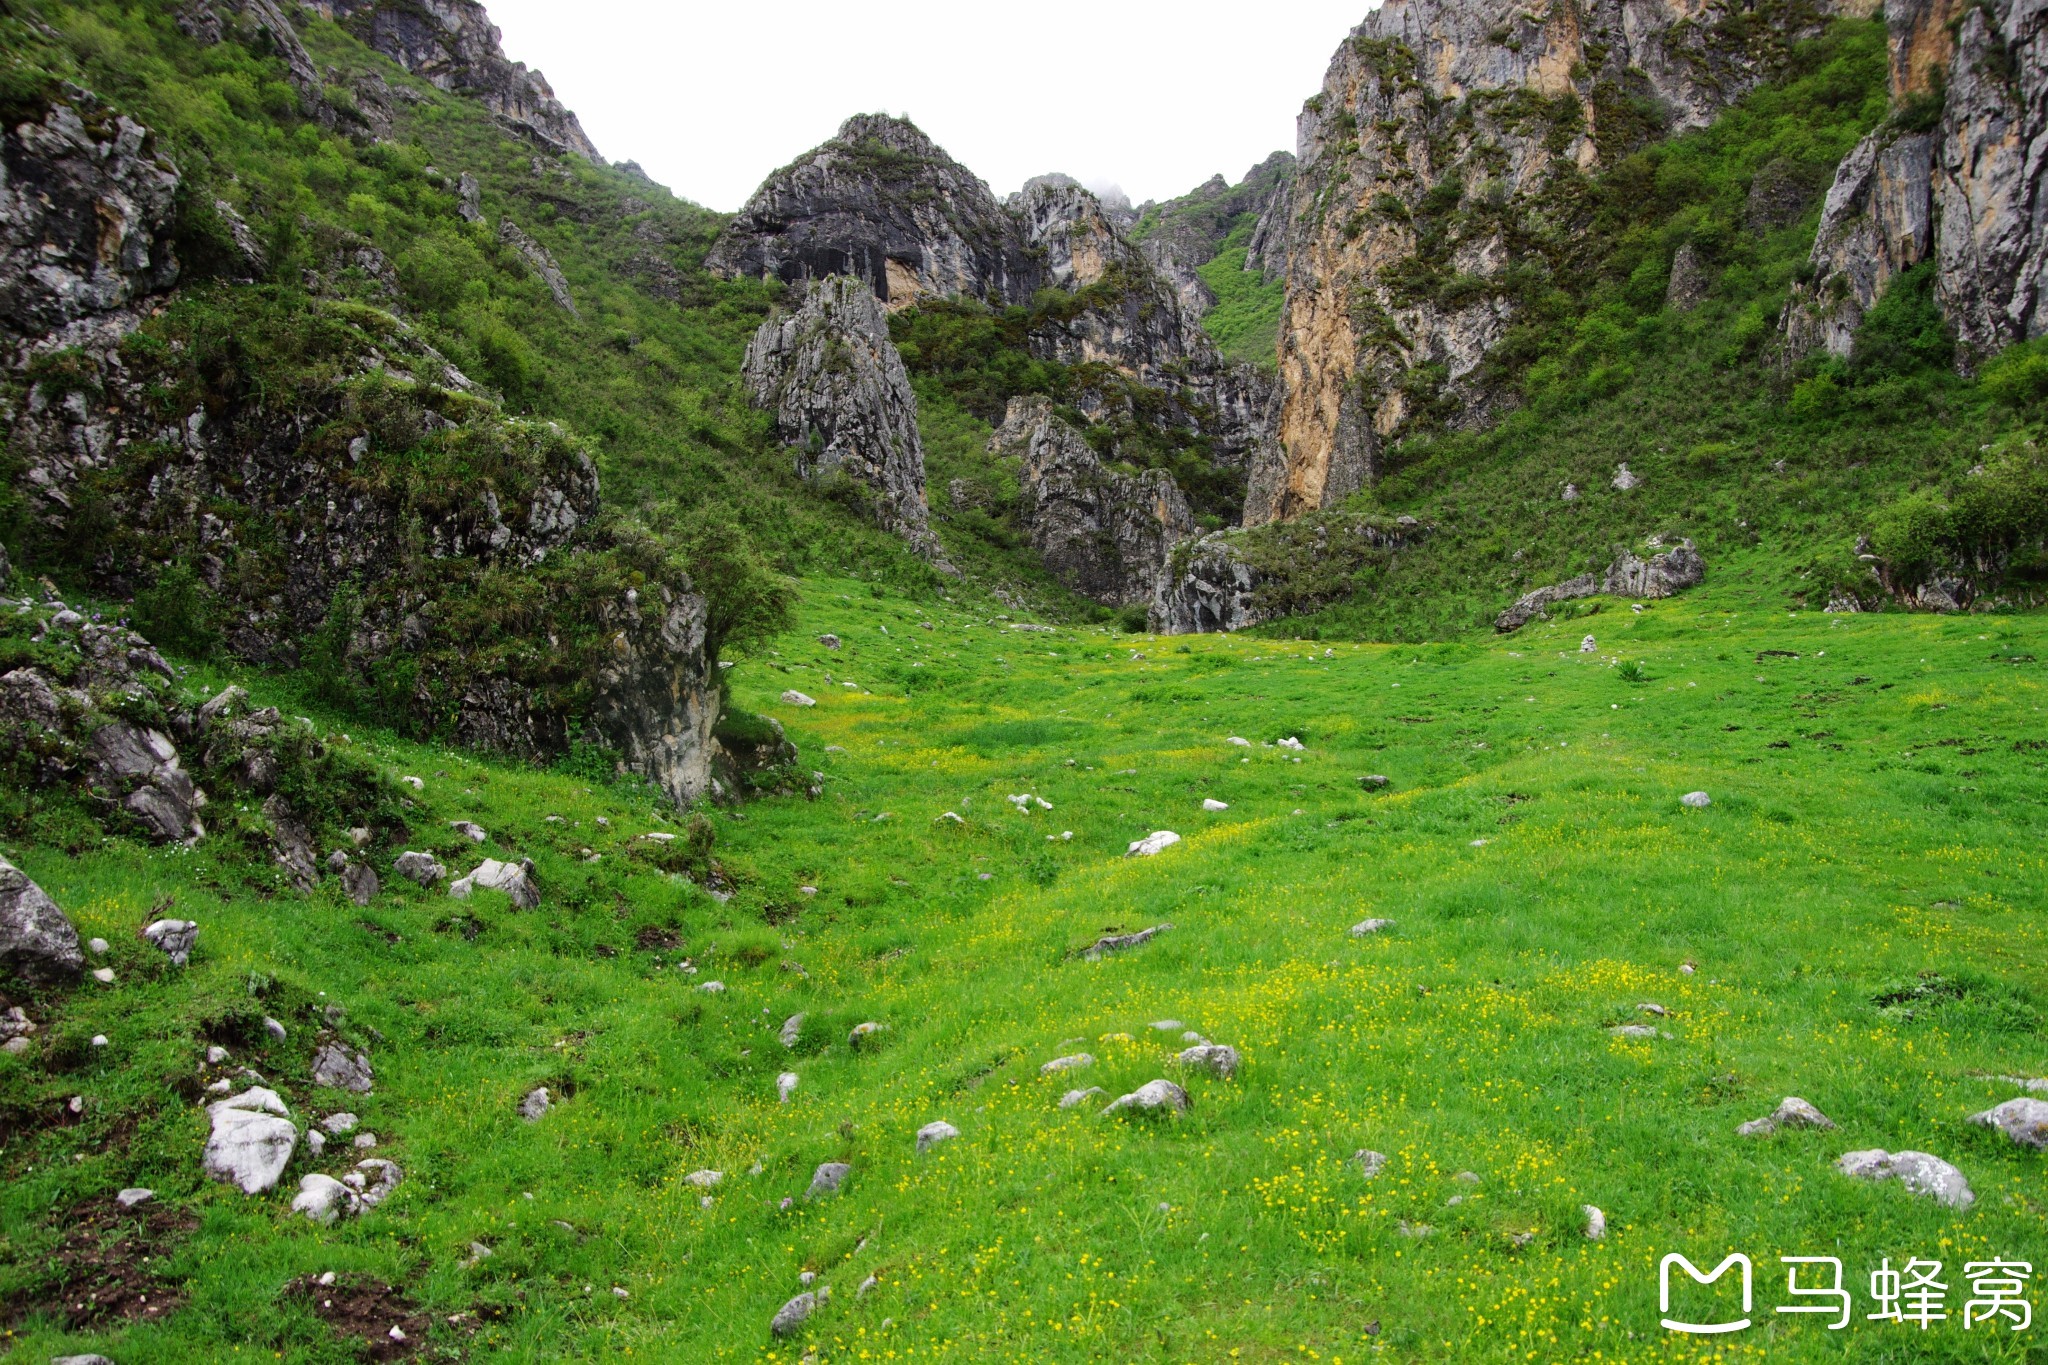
{"points": [[1857, 919]]}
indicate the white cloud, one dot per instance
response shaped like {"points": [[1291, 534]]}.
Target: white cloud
{"points": [[1154, 95]]}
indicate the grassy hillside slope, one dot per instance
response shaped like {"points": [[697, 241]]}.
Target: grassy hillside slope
{"points": [[1861, 906]]}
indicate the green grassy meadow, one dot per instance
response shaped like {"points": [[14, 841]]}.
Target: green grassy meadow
{"points": [[1879, 807]]}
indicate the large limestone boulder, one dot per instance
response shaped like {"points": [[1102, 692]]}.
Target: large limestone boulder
{"points": [[252, 1140], [37, 940]]}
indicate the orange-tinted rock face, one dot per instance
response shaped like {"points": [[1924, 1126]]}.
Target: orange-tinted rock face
{"points": [[1438, 125], [1958, 187]]}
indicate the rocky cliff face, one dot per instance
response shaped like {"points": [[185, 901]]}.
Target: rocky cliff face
{"points": [[1956, 179], [883, 203], [1106, 535], [454, 45], [1438, 129], [1128, 318], [1205, 588], [368, 507], [85, 222], [1182, 235], [842, 400]]}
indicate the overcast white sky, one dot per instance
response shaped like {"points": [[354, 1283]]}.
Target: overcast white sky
{"points": [[1154, 95]]}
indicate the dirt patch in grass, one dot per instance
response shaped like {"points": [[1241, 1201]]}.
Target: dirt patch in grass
{"points": [[366, 1311], [107, 1268]]}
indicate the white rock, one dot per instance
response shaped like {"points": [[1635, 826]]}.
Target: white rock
{"points": [[469, 830], [277, 1031], [422, 868], [338, 1124], [99, 1040], [785, 1086], [796, 698], [1292, 743], [325, 1200], [791, 1315], [1596, 1223], [1215, 1058], [1588, 645], [1625, 480], [133, 1196], [252, 1140], [100, 947], [1919, 1172], [828, 1178], [704, 1180], [103, 975], [1167, 1025], [934, 1133], [1635, 1031], [713, 987], [415, 783], [1212, 805], [316, 1142], [1239, 741], [536, 1104], [864, 1031], [380, 1177], [2025, 1121], [1792, 1112], [216, 1055], [514, 879], [1073, 1063], [1369, 1162], [792, 1030], [1151, 1098], [1696, 800], [1152, 844], [1370, 926], [1075, 1098]]}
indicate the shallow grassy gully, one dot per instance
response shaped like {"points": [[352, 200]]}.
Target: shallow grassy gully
{"points": [[1878, 811]]}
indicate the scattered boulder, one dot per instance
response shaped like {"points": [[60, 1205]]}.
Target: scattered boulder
{"points": [[292, 843], [1696, 800], [2025, 1121], [359, 882], [514, 879], [1152, 844], [829, 640], [791, 1315], [1793, 1112], [1625, 479], [469, 830], [1217, 1059], [338, 1124], [1117, 943], [827, 1179], [704, 1180], [1073, 1063], [275, 1029], [325, 1200], [134, 1197], [1370, 926], [1375, 782], [37, 940], [1369, 1162], [1919, 1172], [792, 1030], [335, 1067], [785, 1086], [1596, 1223], [1074, 1099], [373, 1179], [1636, 1031], [174, 939], [534, 1107], [1153, 1097], [423, 868], [795, 698], [252, 1140], [1212, 805], [934, 1133]]}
